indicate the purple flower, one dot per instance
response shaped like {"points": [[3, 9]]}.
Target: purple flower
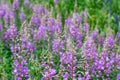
{"points": [[101, 40], [89, 48], [35, 20], [68, 21], [15, 4], [118, 35], [77, 19], [51, 24], [110, 41], [118, 76], [20, 70], [57, 45], [49, 74], [39, 9], [1, 26], [6, 17], [4, 7], [18, 78], [2, 13], [94, 34], [25, 41], [41, 33], [56, 1], [66, 76], [73, 30], [26, 2], [22, 16], [11, 16], [68, 63], [86, 27], [11, 33], [79, 44], [30, 46], [66, 58]]}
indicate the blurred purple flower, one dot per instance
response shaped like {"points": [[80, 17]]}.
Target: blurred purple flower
{"points": [[6, 17], [11, 33], [68, 21], [41, 33], [56, 1], [49, 74], [89, 48], [39, 9], [118, 76], [110, 41], [66, 76], [118, 35], [1, 27], [2, 12], [77, 19], [30, 46], [79, 44], [20, 70], [22, 16], [35, 20], [26, 2], [57, 44], [86, 27], [101, 40], [15, 4], [94, 34]]}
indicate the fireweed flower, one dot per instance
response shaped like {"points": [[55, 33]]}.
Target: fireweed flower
{"points": [[56, 1], [10, 34], [118, 76], [41, 33], [118, 38], [20, 64], [65, 76], [6, 18], [1, 27], [2, 12], [22, 16], [73, 30], [68, 21], [56, 45], [57, 27], [109, 43], [70, 60], [12, 16], [89, 49], [26, 2], [35, 20], [49, 74], [77, 19], [51, 24], [15, 4], [79, 38], [86, 27], [104, 64], [118, 35], [24, 41], [20, 70], [39, 9], [101, 40], [94, 34], [30, 46]]}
